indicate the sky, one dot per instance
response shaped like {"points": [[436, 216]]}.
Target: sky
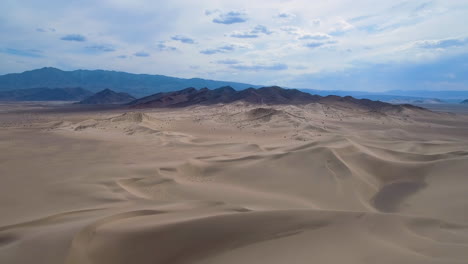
{"points": [[365, 45]]}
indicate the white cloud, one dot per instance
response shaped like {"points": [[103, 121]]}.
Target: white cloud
{"points": [[341, 26], [224, 49], [253, 33], [441, 43], [227, 18], [285, 16], [315, 36]]}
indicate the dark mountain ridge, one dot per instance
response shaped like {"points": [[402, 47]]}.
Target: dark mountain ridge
{"points": [[273, 95], [226, 94], [107, 96]]}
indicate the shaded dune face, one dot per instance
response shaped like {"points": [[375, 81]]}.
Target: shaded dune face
{"points": [[261, 113], [392, 195], [225, 233], [145, 237]]}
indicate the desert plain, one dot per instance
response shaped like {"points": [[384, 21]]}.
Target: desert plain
{"points": [[232, 183]]}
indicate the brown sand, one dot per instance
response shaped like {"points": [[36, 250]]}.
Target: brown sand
{"points": [[233, 184]]}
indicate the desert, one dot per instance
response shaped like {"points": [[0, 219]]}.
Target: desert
{"points": [[233, 131], [229, 183]]}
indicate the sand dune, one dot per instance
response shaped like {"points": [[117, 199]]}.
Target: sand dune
{"points": [[234, 183], [271, 236]]}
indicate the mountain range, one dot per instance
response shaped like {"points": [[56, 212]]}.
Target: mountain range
{"points": [[45, 94], [226, 94], [265, 95], [96, 80], [140, 85]]}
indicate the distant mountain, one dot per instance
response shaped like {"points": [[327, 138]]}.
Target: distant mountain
{"points": [[96, 80], [417, 101], [107, 96], [444, 95], [464, 101], [265, 95], [45, 94], [397, 96]]}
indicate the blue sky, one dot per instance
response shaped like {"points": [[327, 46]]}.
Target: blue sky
{"points": [[339, 44]]}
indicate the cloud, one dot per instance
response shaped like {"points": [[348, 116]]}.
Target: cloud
{"points": [[316, 22], [254, 33], [141, 54], [261, 29], [316, 36], [405, 14], [231, 17], [210, 51], [316, 44], [360, 18], [45, 30], [161, 46], [292, 30], [240, 34], [422, 9], [74, 37], [341, 27], [261, 67], [211, 11], [122, 56], [304, 35], [223, 49], [183, 39], [441, 43], [300, 67], [440, 74], [31, 53], [100, 48], [285, 16], [228, 62]]}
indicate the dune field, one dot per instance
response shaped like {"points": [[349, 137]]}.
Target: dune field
{"points": [[234, 183]]}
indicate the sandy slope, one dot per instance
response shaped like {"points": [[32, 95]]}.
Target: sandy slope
{"points": [[233, 184]]}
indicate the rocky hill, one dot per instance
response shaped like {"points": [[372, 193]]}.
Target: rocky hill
{"points": [[108, 96], [266, 95]]}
